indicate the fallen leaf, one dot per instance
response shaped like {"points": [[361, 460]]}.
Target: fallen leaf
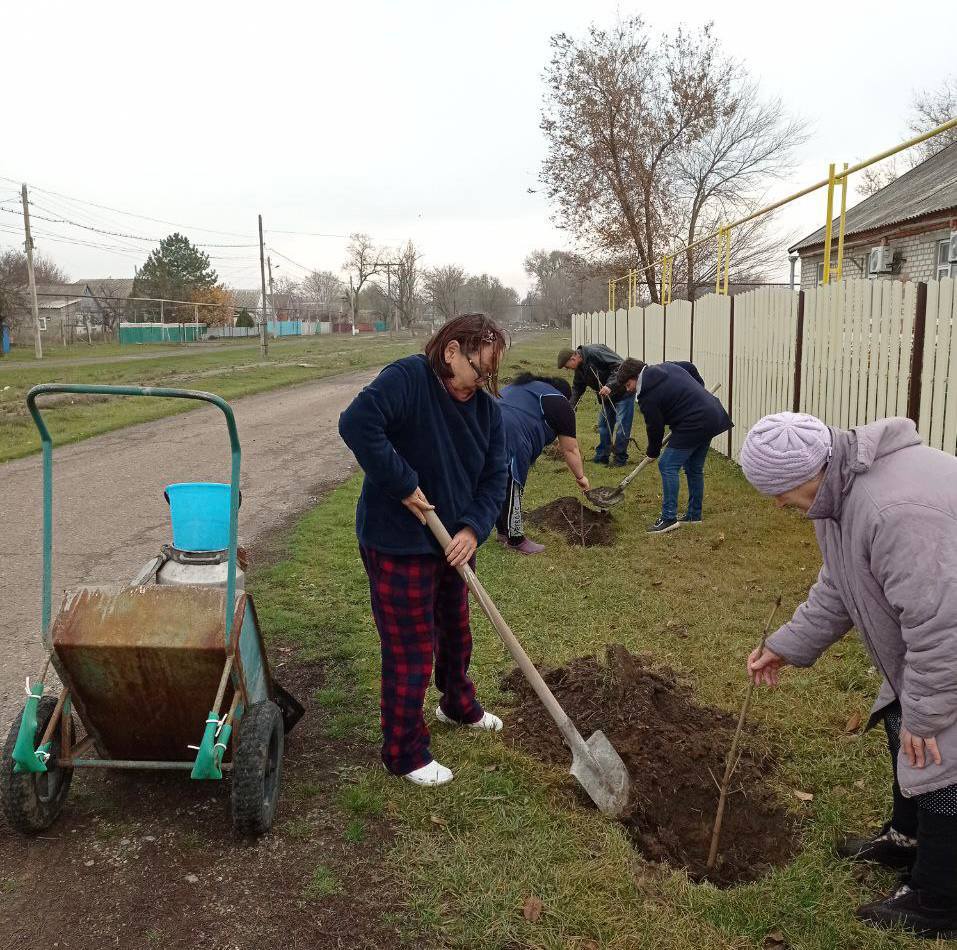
{"points": [[854, 723], [490, 768], [657, 583], [436, 820], [718, 541], [803, 796], [774, 941], [860, 783], [532, 910]]}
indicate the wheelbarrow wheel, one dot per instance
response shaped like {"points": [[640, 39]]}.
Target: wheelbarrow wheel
{"points": [[257, 769], [32, 801]]}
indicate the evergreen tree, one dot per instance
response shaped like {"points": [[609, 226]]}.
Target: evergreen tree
{"points": [[244, 319], [175, 270]]}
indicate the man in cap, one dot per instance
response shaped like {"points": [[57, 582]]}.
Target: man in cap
{"points": [[884, 508], [595, 367]]}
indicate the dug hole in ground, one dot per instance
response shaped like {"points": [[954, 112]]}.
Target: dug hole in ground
{"points": [[675, 752]]}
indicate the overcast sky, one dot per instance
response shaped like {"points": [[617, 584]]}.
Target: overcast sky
{"points": [[405, 120]]}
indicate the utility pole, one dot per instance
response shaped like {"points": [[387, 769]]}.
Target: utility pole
{"points": [[263, 345], [393, 316], [28, 244], [272, 294]]}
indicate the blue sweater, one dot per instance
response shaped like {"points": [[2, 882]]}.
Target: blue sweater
{"points": [[406, 431]]}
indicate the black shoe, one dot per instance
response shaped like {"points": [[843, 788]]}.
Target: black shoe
{"points": [[888, 848], [663, 527], [687, 519], [600, 461], [618, 463], [914, 911]]}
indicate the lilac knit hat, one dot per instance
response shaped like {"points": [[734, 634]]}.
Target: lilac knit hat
{"points": [[785, 450]]}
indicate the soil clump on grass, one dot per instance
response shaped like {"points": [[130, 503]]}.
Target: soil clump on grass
{"points": [[674, 750], [570, 519]]}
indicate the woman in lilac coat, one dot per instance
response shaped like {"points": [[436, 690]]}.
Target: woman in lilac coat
{"points": [[884, 508]]}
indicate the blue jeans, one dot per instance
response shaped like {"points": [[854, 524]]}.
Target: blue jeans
{"points": [[624, 412], [670, 464]]}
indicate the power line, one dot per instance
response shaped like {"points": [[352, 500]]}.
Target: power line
{"points": [[308, 270], [131, 214]]}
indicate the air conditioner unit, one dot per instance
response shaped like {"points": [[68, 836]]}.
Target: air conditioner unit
{"points": [[952, 255], [880, 260]]}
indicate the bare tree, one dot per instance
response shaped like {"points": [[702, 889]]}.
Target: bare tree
{"points": [[323, 290], [404, 284], [929, 108], [442, 287], [558, 282], [621, 106], [13, 282], [488, 295], [362, 262], [721, 176]]}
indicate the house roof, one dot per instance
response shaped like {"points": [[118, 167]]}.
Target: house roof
{"points": [[927, 188], [108, 286]]}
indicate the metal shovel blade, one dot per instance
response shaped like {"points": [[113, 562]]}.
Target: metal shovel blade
{"points": [[605, 497], [600, 770]]}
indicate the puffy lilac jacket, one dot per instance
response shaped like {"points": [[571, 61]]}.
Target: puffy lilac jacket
{"points": [[886, 522]]}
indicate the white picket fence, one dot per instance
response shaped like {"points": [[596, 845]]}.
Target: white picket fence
{"points": [[852, 361]]}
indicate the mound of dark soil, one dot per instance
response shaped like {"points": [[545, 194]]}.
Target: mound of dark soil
{"points": [[675, 753], [577, 524]]}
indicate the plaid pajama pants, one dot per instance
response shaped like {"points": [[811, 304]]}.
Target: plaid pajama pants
{"points": [[420, 606]]}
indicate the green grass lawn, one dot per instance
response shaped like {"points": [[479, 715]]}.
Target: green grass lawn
{"points": [[229, 371], [470, 854]]}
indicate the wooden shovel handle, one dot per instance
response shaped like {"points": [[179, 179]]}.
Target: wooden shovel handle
{"points": [[565, 725]]}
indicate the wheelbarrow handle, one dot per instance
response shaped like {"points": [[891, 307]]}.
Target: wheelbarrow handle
{"points": [[46, 389], [567, 728]]}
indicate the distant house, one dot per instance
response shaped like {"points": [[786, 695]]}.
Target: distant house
{"points": [[248, 300], [58, 309], [905, 231]]}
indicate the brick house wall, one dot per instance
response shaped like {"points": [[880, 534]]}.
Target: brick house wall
{"points": [[917, 248]]}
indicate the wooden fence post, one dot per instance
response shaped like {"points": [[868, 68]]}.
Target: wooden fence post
{"points": [[917, 355], [798, 353], [664, 332], [731, 371], [691, 343]]}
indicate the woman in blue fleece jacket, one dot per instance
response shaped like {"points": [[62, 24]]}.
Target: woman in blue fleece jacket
{"points": [[428, 435]]}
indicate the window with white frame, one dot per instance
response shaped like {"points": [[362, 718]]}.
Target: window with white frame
{"points": [[820, 272], [944, 267]]}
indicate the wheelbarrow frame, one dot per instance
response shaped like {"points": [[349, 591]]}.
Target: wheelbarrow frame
{"points": [[74, 756]]}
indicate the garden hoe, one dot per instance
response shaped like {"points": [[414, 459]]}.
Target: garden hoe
{"points": [[605, 497], [595, 763]]}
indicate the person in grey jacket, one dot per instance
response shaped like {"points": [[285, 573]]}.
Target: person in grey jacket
{"points": [[596, 367], [884, 508]]}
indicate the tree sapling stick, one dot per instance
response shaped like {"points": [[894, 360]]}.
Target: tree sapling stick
{"points": [[732, 762]]}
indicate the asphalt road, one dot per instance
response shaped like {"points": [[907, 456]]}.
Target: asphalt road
{"points": [[109, 513]]}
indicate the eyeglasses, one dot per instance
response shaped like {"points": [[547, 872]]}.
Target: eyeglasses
{"points": [[480, 377]]}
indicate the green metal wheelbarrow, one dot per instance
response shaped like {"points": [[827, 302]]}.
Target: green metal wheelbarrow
{"points": [[164, 671]]}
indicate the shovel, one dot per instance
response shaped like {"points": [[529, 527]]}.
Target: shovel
{"points": [[605, 497], [595, 763]]}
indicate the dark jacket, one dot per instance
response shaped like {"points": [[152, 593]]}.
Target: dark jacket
{"points": [[406, 431], [674, 395], [526, 431], [601, 361]]}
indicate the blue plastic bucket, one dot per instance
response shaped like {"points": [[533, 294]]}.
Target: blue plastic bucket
{"points": [[199, 512]]}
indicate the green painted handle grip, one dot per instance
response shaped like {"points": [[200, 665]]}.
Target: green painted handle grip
{"points": [[47, 389]]}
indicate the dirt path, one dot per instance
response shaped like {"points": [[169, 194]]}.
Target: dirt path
{"points": [[109, 512]]}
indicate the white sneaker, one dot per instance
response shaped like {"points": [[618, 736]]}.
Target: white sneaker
{"points": [[430, 775], [488, 722]]}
